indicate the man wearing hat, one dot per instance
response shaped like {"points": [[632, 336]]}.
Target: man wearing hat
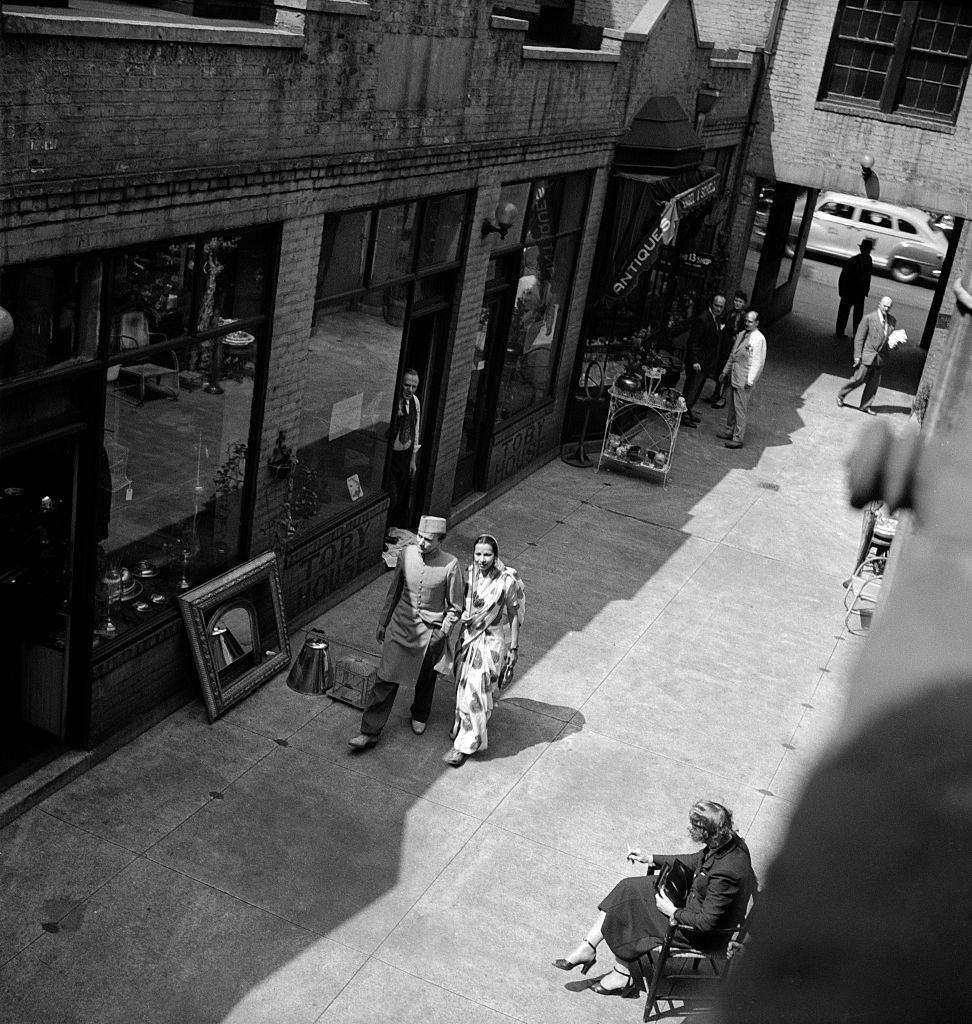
{"points": [[853, 286], [423, 605]]}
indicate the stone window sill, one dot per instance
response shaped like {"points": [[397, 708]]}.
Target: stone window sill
{"points": [[869, 113], [560, 53], [497, 21], [98, 20]]}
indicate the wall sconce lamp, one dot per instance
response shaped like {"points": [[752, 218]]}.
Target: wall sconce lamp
{"points": [[503, 219], [6, 326], [705, 99], [867, 162]]}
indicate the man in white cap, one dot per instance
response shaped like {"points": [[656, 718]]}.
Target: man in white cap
{"points": [[423, 605]]}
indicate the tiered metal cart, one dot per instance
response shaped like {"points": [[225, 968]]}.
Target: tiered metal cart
{"points": [[641, 429]]}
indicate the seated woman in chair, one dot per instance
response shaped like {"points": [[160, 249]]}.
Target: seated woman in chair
{"points": [[634, 917]]}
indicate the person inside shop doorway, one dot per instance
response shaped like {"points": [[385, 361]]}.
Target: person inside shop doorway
{"points": [[853, 286], [405, 447]]}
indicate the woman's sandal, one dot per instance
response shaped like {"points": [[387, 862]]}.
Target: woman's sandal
{"points": [[584, 965], [629, 991]]}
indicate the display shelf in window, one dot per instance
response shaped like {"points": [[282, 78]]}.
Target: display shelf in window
{"points": [[641, 430]]}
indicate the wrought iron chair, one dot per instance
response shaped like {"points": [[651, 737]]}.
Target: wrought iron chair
{"points": [[652, 964]]}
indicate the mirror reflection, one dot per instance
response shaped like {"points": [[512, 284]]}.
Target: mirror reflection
{"points": [[233, 637]]}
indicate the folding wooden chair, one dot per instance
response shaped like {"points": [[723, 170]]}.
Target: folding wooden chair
{"points": [[721, 959]]}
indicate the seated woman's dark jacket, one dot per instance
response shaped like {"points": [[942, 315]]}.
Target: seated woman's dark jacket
{"points": [[723, 883]]}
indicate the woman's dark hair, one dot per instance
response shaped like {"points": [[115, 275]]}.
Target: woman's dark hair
{"points": [[491, 541], [740, 294], [711, 818]]}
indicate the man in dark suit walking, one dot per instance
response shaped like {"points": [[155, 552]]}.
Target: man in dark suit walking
{"points": [[701, 353], [871, 351], [853, 286]]}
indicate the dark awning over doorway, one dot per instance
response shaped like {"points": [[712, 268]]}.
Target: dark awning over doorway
{"points": [[661, 140]]}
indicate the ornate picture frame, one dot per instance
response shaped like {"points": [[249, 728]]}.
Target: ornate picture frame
{"points": [[237, 631]]}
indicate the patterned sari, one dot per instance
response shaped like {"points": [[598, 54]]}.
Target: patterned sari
{"points": [[492, 599]]}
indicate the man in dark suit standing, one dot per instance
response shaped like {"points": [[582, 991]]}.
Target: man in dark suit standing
{"points": [[701, 353], [853, 286], [871, 351], [734, 323]]}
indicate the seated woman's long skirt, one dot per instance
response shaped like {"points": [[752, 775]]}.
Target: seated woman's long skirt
{"points": [[633, 924]]}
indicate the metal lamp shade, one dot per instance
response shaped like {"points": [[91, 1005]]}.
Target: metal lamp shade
{"points": [[312, 672]]}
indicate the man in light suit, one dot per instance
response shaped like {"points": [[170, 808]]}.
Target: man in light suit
{"points": [[871, 351], [743, 368]]}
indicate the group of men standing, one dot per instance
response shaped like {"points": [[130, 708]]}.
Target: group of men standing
{"points": [[730, 349]]}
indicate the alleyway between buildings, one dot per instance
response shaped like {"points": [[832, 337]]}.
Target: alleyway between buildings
{"points": [[680, 642]]}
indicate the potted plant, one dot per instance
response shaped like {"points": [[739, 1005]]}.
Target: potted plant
{"points": [[300, 506], [227, 485], [282, 459]]}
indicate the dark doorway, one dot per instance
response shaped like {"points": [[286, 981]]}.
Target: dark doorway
{"points": [[38, 497], [425, 353]]}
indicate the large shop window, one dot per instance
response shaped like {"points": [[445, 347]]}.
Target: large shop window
{"points": [[896, 55], [551, 234], [377, 268], [187, 324]]}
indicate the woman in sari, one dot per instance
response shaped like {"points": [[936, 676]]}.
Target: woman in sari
{"points": [[483, 662]]}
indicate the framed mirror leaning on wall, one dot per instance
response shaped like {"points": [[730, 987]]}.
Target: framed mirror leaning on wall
{"points": [[237, 632]]}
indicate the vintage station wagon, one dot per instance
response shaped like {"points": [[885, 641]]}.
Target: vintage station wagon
{"points": [[906, 241]]}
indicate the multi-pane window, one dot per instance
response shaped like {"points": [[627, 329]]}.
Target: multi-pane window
{"points": [[896, 55]]}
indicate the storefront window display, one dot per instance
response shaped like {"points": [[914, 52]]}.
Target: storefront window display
{"points": [[55, 308], [174, 457], [548, 256], [399, 258]]}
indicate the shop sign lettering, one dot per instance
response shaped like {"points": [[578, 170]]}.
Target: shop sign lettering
{"points": [[519, 450], [647, 253], [344, 554]]}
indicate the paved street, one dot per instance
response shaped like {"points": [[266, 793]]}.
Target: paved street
{"points": [[679, 643]]}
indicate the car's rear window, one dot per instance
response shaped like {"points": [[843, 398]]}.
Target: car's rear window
{"points": [[878, 220], [906, 227]]}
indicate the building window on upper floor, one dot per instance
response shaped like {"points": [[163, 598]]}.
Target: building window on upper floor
{"points": [[900, 57]]}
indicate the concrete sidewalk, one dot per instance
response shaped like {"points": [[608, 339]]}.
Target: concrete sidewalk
{"points": [[679, 643]]}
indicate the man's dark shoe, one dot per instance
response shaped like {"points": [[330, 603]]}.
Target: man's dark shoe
{"points": [[840, 402], [687, 421], [733, 444], [724, 436], [869, 412], [362, 741], [418, 727], [721, 404]]}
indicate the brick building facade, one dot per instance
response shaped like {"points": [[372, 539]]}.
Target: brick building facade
{"points": [[284, 213], [811, 136]]}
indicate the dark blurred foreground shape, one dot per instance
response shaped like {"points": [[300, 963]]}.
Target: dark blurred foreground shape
{"points": [[867, 910]]}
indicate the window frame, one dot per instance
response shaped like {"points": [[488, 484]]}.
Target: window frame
{"points": [[516, 247], [902, 50]]}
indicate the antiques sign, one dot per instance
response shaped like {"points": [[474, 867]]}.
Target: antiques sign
{"points": [[662, 230]]}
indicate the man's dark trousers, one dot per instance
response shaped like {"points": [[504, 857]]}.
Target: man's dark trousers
{"points": [[870, 377], [399, 487], [856, 303], [383, 694], [694, 383]]}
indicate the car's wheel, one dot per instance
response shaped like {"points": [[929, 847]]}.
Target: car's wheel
{"points": [[905, 272]]}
